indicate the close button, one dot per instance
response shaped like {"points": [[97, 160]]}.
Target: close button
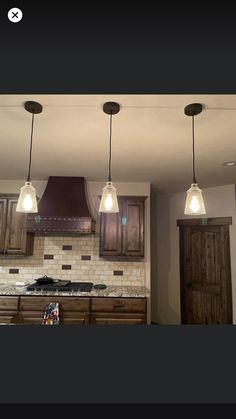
{"points": [[15, 15]]}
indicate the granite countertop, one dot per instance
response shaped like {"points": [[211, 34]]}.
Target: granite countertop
{"points": [[110, 291]]}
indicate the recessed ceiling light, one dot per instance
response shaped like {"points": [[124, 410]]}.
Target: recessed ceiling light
{"points": [[229, 163]]}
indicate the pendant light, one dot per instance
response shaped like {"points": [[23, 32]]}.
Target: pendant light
{"points": [[27, 201], [194, 201], [109, 201]]}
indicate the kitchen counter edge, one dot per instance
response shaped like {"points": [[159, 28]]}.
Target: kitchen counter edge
{"points": [[110, 291]]}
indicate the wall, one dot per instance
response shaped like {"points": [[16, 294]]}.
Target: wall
{"points": [[166, 209], [95, 270]]}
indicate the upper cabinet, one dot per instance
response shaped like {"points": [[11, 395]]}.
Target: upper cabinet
{"points": [[122, 234], [13, 235]]}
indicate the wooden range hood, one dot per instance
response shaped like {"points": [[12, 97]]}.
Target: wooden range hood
{"points": [[63, 209]]}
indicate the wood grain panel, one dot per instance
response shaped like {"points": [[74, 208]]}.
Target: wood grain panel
{"points": [[15, 241], [3, 214], [110, 234], [205, 221], [138, 305], [36, 317], [205, 270], [66, 303], [8, 303], [7, 318], [133, 229], [113, 319]]}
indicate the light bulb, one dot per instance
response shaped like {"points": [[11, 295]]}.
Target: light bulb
{"points": [[108, 202], [27, 203], [194, 202]]}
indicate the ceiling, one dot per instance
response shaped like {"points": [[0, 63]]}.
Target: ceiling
{"points": [[151, 140]]}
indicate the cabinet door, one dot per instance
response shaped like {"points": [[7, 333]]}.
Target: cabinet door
{"points": [[110, 235], [16, 236], [3, 214], [122, 234], [133, 228]]}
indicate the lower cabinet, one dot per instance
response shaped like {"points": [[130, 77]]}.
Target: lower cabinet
{"points": [[74, 310], [118, 310], [8, 309]]}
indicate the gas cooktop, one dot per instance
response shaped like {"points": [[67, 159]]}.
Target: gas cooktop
{"points": [[63, 286]]}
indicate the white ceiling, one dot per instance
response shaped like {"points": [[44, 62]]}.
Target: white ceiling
{"points": [[151, 139]]}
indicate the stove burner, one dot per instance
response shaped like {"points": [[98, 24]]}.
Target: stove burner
{"points": [[71, 286]]}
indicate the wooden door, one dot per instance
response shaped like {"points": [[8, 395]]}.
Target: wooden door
{"points": [[205, 271], [133, 227], [3, 214], [15, 239]]}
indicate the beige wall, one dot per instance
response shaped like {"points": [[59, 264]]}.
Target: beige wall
{"points": [[166, 209]]}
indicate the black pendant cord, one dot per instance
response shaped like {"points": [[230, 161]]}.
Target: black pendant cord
{"points": [[109, 169], [194, 174], [31, 145]]}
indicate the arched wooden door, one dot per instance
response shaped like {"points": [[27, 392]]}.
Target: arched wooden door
{"points": [[205, 271]]}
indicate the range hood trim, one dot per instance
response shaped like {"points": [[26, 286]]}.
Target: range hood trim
{"points": [[63, 209]]}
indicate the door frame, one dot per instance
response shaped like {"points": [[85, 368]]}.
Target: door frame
{"points": [[181, 223]]}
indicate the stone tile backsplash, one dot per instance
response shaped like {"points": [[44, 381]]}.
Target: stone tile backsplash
{"points": [[54, 255]]}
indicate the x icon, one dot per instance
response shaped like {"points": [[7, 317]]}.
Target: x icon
{"points": [[15, 14]]}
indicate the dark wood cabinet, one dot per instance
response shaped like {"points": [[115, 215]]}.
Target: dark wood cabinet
{"points": [[14, 238], [110, 310], [74, 310], [8, 309], [122, 234], [3, 214]]}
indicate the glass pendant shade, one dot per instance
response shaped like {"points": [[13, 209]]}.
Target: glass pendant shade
{"points": [[194, 202], [109, 201], [27, 201]]}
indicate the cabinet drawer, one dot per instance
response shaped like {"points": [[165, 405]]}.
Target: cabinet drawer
{"points": [[137, 305], [7, 317], [36, 317], [118, 318], [8, 303], [66, 303]]}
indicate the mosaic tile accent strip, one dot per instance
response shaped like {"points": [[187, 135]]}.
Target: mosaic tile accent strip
{"points": [[67, 247], [66, 267], [118, 273], [85, 257], [13, 271]]}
